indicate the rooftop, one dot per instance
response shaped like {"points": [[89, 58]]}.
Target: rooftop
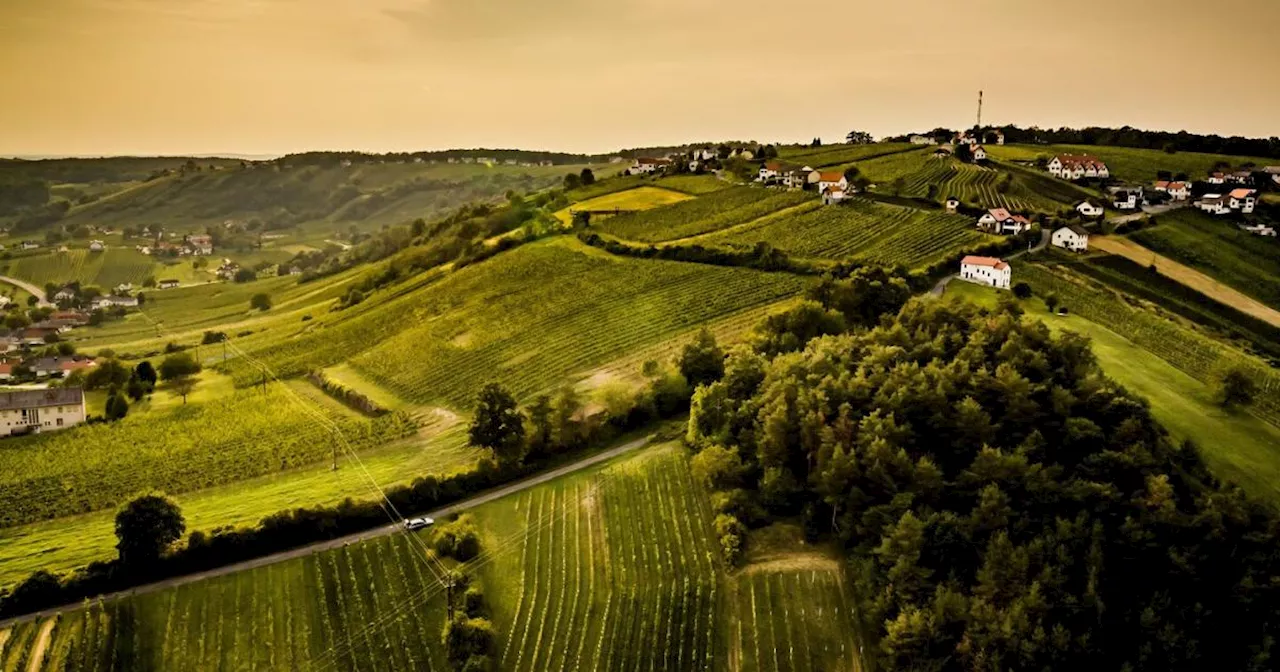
{"points": [[974, 260], [63, 396]]}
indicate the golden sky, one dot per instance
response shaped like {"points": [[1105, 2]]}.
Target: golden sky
{"points": [[273, 76]]}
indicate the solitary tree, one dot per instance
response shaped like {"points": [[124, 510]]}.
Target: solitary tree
{"points": [[1051, 302], [260, 301], [587, 177], [1022, 290], [146, 373], [498, 424], [178, 365], [117, 406], [572, 181], [702, 361], [145, 527], [183, 387], [1236, 388]]}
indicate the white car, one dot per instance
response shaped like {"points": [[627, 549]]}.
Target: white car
{"points": [[417, 523]]}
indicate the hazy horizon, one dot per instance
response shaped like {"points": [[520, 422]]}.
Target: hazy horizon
{"points": [[272, 77]]}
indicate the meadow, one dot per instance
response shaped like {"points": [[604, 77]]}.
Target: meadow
{"points": [[530, 319], [1165, 364], [696, 185], [863, 230], [638, 198], [1129, 164], [186, 447], [1218, 249], [712, 212], [610, 568]]}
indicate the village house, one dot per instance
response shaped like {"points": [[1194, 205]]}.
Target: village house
{"points": [[1241, 177], [55, 367], [1243, 200], [104, 302], [1126, 199], [923, 140], [770, 171], [124, 288], [1178, 191], [829, 178], [227, 270], [73, 317], [1089, 209], [1071, 237], [832, 195], [645, 165], [30, 245], [1214, 204], [953, 204], [979, 153], [985, 271], [64, 294], [97, 246], [942, 152], [36, 336], [1217, 177], [28, 411], [59, 326], [167, 284], [199, 244], [796, 178], [1077, 167], [999, 137], [1000, 220]]}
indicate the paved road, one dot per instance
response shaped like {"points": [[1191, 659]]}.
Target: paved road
{"points": [[319, 546], [37, 291], [1150, 210], [941, 287]]}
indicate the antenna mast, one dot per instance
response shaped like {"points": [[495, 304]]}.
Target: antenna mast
{"points": [[979, 109]]}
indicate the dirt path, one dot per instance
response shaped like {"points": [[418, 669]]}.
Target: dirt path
{"points": [[1187, 276], [36, 661], [30, 289], [309, 549], [4, 638]]}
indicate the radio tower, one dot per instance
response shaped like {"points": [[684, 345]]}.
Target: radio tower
{"points": [[979, 127]]}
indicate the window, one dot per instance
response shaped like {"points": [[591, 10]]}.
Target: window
{"points": [[59, 422]]}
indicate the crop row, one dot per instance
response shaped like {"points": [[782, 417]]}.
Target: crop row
{"points": [[710, 212], [194, 446], [864, 231], [371, 606], [795, 620], [1199, 356], [105, 269]]}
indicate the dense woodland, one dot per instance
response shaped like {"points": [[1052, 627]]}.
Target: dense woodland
{"points": [[1004, 505]]}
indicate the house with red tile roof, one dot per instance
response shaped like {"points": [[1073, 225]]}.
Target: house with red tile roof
{"points": [[1078, 167], [1000, 220], [986, 271]]}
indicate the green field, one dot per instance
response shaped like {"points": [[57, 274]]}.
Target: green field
{"points": [[187, 447], [532, 319], [638, 198], [865, 231], [1249, 263], [834, 155], [611, 568], [105, 269], [1168, 365], [712, 212], [694, 184], [1128, 164]]}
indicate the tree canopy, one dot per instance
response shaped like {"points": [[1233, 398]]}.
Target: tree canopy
{"points": [[498, 424], [146, 526]]}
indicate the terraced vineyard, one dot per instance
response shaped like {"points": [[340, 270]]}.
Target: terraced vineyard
{"points": [[1199, 356], [712, 212], [192, 446], [864, 230], [520, 319], [619, 575], [105, 269], [795, 619]]}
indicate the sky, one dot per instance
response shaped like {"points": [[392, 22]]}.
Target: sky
{"points": [[146, 77]]}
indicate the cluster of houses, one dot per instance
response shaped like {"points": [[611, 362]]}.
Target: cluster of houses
{"points": [[191, 245], [42, 332], [29, 411], [1237, 200], [121, 297], [832, 185], [696, 159], [1078, 167]]}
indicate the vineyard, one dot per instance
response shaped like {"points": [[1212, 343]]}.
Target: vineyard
{"points": [[795, 619], [523, 321], [833, 155], [694, 184], [1199, 356], [866, 231], [713, 212], [1130, 164], [189, 447], [104, 269], [1003, 186]]}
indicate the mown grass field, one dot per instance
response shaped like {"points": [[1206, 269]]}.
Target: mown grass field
{"points": [[863, 230], [1243, 261], [531, 319], [712, 212], [638, 198], [1128, 164], [611, 568], [1169, 366], [188, 447]]}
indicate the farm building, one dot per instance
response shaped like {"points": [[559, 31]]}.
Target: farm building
{"points": [[1241, 177], [36, 335], [829, 178], [1000, 220], [1072, 237], [47, 367], [1089, 209], [37, 410], [979, 154], [1260, 230], [942, 152], [1077, 167], [832, 195], [985, 271], [104, 302], [167, 284], [1217, 177], [65, 294], [1178, 191], [645, 165], [953, 204]]}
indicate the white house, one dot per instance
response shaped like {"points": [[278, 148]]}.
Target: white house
{"points": [[1077, 167], [1217, 177], [999, 220], [40, 410], [646, 165], [953, 204], [167, 284], [30, 244], [771, 170], [1125, 199], [1087, 209], [104, 302], [829, 178], [832, 195], [999, 137], [797, 177], [1071, 237], [1178, 191], [1243, 200], [1214, 204], [64, 294], [985, 271], [1241, 177], [923, 140], [124, 288], [97, 246], [979, 154]]}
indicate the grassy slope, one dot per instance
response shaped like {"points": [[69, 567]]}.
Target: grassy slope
{"points": [[105, 269], [711, 212], [611, 568], [1248, 263], [1237, 446], [638, 198], [1133, 165]]}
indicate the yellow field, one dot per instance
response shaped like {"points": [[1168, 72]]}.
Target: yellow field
{"points": [[640, 198], [1187, 276]]}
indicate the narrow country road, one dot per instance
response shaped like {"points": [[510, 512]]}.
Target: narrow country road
{"points": [[30, 288], [319, 546], [941, 287]]}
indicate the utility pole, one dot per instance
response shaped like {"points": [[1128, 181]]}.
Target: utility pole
{"points": [[979, 109]]}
